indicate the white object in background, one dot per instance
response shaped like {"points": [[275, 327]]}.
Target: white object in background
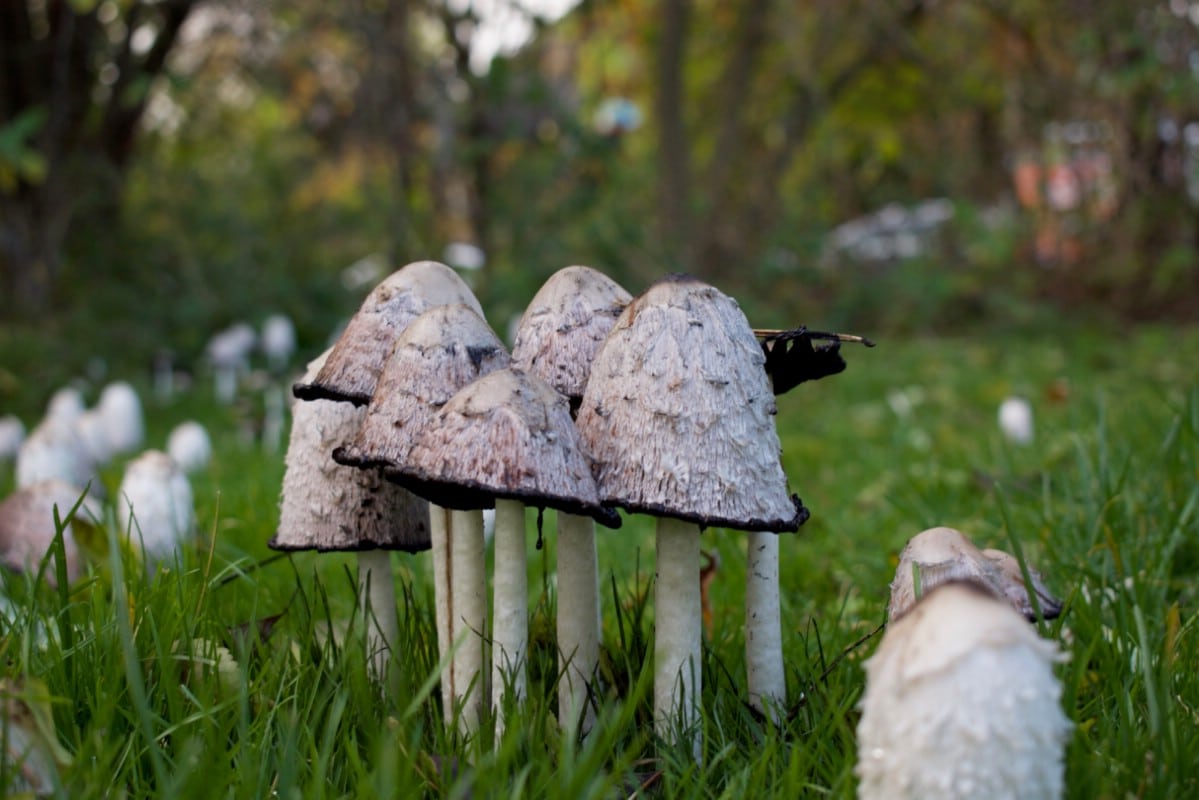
{"points": [[464, 255], [54, 450], [121, 416], [229, 353], [155, 505], [278, 342], [12, 433], [190, 446], [66, 405], [1015, 420]]}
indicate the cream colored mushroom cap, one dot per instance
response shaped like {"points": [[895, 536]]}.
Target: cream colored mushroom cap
{"points": [[565, 324], [678, 414], [508, 435], [326, 506], [27, 525], [440, 352], [353, 366]]}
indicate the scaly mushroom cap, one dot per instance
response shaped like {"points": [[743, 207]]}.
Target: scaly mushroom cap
{"points": [[507, 435], [444, 349], [678, 414], [564, 326], [325, 506], [941, 555], [353, 366], [155, 503], [961, 701], [27, 525]]}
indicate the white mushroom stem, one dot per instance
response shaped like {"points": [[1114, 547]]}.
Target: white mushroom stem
{"points": [[460, 586], [377, 599], [510, 615], [678, 632], [763, 627], [579, 621]]}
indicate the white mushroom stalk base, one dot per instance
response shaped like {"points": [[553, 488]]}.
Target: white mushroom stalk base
{"points": [[678, 633], [763, 627], [579, 622], [460, 587], [377, 599], [510, 614]]}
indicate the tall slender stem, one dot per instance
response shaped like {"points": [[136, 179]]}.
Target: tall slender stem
{"points": [[510, 614], [763, 627], [579, 621], [377, 599], [678, 633]]}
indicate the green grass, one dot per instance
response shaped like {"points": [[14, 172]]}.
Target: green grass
{"points": [[1105, 503]]}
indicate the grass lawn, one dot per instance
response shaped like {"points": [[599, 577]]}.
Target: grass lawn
{"points": [[221, 678]]}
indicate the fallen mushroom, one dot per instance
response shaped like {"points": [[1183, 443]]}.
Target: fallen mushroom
{"points": [[439, 352], [961, 701], [939, 555], [325, 506], [679, 416], [556, 340], [507, 439], [354, 364]]}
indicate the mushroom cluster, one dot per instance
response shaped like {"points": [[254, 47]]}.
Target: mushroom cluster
{"points": [[661, 404]]}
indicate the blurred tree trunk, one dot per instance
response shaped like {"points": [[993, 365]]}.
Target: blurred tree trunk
{"points": [[84, 82], [721, 223]]}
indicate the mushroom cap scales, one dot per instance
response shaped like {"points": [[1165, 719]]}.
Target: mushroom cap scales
{"points": [[961, 701], [565, 324], [352, 368], [678, 414], [444, 349], [327, 506], [508, 435]]}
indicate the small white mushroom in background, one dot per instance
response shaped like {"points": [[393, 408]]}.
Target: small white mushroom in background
{"points": [[65, 405], [54, 450], [465, 256], [278, 341], [327, 507], [678, 415], [940, 555], [12, 433], [121, 414], [556, 339], [961, 701], [274, 417], [228, 352], [155, 506], [190, 446], [1015, 420], [27, 526]]}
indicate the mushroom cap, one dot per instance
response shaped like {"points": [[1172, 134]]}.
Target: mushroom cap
{"points": [[961, 701], [155, 503], [12, 433], [442, 350], [1016, 592], [326, 506], [27, 525], [55, 450], [121, 413], [508, 435], [353, 366], [190, 445], [678, 414], [564, 326], [944, 554]]}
